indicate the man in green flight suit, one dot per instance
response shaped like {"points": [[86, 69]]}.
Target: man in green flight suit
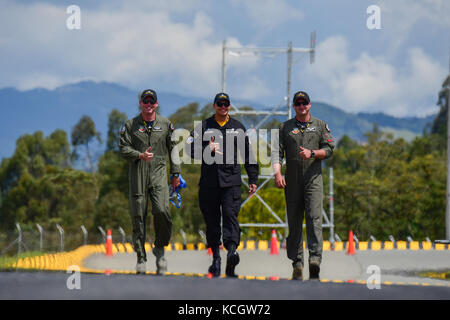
{"points": [[305, 140], [145, 141]]}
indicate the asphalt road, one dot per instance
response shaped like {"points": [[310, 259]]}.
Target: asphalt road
{"points": [[398, 278], [53, 285], [396, 266]]}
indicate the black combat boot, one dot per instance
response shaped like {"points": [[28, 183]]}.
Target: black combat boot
{"points": [[161, 263], [297, 272], [314, 270], [232, 261], [214, 268], [140, 266]]}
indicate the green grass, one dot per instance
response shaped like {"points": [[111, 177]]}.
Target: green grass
{"points": [[6, 261]]}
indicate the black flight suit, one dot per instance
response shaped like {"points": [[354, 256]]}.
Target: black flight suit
{"points": [[220, 181]]}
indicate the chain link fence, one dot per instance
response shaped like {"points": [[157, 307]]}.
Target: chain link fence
{"points": [[17, 241]]}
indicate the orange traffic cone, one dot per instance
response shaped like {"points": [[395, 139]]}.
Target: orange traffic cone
{"points": [[209, 251], [109, 251], [274, 243], [351, 244]]}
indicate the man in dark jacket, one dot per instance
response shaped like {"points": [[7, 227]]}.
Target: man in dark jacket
{"points": [[216, 142]]}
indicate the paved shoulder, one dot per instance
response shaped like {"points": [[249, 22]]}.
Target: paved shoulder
{"points": [[25, 285]]}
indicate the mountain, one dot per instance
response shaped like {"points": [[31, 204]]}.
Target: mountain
{"points": [[46, 110], [356, 125]]}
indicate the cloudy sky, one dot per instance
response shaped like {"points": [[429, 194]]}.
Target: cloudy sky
{"points": [[176, 46]]}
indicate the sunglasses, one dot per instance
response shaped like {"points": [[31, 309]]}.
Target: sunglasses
{"points": [[223, 104], [300, 103], [149, 100]]}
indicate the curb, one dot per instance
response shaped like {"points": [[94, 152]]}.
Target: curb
{"points": [[327, 246], [64, 260]]}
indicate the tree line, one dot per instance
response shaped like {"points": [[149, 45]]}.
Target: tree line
{"points": [[382, 186]]}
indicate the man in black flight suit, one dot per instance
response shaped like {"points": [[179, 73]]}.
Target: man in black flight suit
{"points": [[216, 142]]}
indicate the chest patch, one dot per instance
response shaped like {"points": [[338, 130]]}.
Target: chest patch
{"points": [[295, 131], [231, 131], [310, 129], [141, 129]]}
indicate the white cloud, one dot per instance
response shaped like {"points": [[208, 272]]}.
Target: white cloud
{"points": [[173, 6], [269, 13], [400, 17], [407, 13], [373, 84], [124, 44], [175, 45]]}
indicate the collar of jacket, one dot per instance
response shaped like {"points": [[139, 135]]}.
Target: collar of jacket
{"points": [[141, 120], [311, 119], [212, 120]]}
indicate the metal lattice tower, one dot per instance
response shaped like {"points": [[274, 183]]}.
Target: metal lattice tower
{"points": [[289, 51]]}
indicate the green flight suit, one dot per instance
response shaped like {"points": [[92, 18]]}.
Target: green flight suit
{"points": [[148, 178], [304, 186]]}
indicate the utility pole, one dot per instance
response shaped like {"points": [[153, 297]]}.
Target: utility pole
{"points": [[445, 91], [289, 72], [445, 94], [447, 209], [446, 87], [224, 46]]}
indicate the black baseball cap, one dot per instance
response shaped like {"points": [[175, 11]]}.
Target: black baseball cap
{"points": [[221, 96], [148, 93], [301, 95]]}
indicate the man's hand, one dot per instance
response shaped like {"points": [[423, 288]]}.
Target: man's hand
{"points": [[147, 155], [214, 146], [280, 182], [175, 182], [305, 153], [252, 188]]}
